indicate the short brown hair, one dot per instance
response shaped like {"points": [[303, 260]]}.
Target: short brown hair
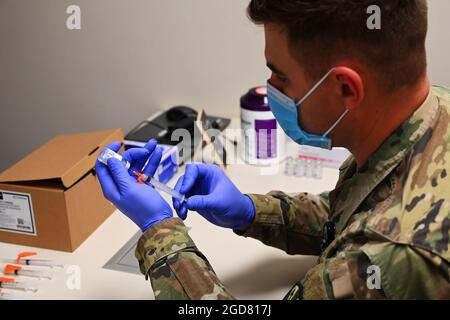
{"points": [[323, 31]]}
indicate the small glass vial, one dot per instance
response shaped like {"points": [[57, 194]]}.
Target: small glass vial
{"points": [[300, 167], [308, 168], [108, 154], [289, 168], [318, 169]]}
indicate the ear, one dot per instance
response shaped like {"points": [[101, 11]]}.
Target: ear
{"points": [[350, 86]]}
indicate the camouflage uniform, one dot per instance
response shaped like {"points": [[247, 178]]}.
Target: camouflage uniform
{"points": [[394, 214]]}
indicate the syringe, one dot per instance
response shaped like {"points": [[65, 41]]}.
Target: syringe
{"points": [[19, 271], [10, 283], [7, 296], [32, 262], [142, 178]]}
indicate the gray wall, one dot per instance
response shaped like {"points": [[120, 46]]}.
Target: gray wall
{"points": [[132, 58]]}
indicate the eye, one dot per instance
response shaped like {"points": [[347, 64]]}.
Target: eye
{"points": [[282, 79]]}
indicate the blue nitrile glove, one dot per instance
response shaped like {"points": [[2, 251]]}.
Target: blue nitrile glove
{"points": [[139, 156], [139, 202], [211, 193]]}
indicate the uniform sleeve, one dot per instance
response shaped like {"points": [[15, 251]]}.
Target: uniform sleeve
{"points": [[293, 224], [176, 268], [378, 271]]}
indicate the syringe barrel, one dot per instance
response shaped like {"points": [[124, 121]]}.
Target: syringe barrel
{"points": [[18, 286], [35, 274], [162, 187], [43, 263], [7, 296]]}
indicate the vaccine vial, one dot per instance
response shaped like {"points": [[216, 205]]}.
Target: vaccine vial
{"points": [[308, 168], [108, 154], [300, 167], [289, 168], [318, 169]]}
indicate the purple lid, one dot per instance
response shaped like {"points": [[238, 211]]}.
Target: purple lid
{"points": [[255, 100]]}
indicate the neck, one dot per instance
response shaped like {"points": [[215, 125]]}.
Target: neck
{"points": [[405, 102]]}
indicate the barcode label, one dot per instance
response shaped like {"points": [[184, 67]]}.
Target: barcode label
{"points": [[16, 213]]}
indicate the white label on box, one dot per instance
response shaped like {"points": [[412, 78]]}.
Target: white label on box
{"points": [[16, 213]]}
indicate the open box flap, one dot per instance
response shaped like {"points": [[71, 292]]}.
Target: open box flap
{"points": [[65, 158]]}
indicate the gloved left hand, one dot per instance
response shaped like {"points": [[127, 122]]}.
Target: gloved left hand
{"points": [[212, 194], [139, 202]]}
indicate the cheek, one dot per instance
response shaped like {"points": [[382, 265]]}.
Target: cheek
{"points": [[317, 115], [307, 117]]}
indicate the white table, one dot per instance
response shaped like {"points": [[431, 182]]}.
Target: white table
{"points": [[248, 268]]}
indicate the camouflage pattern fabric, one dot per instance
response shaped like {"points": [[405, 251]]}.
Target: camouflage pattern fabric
{"points": [[391, 220], [177, 269]]}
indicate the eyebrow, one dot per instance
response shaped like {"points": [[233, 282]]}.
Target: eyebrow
{"points": [[272, 67]]}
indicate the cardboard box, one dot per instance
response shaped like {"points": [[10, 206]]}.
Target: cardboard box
{"points": [[52, 198]]}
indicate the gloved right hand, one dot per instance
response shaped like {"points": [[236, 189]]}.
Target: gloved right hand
{"points": [[212, 194], [139, 202]]}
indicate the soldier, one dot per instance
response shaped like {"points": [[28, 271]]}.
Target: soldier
{"points": [[335, 83]]}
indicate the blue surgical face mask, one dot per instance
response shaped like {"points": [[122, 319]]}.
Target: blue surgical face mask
{"points": [[286, 111]]}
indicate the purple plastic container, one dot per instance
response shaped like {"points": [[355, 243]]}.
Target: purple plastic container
{"points": [[263, 141]]}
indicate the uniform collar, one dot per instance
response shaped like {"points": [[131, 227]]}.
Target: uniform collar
{"points": [[356, 185]]}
